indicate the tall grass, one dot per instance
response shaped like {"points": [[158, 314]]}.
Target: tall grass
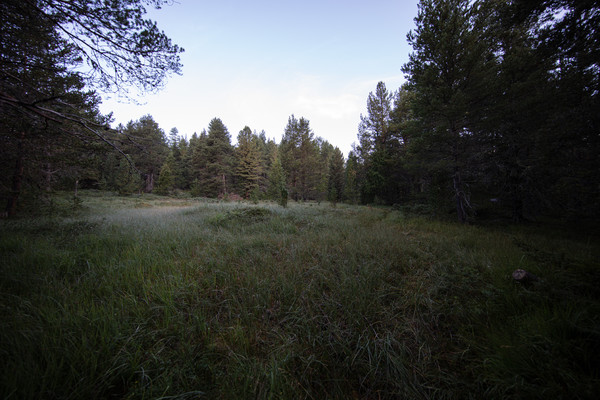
{"points": [[157, 298]]}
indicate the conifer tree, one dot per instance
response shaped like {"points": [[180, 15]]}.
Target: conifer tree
{"points": [[128, 180], [375, 146], [326, 150], [299, 158], [165, 178], [376, 122], [543, 121], [335, 184], [53, 53], [196, 162], [351, 179], [145, 143], [214, 161], [249, 161], [268, 150], [173, 138], [179, 168], [443, 72], [277, 189]]}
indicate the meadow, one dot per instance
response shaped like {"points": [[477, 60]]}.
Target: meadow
{"points": [[154, 297]]}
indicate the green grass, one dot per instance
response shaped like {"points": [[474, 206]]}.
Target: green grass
{"points": [[150, 297]]}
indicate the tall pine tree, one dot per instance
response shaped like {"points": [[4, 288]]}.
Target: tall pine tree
{"points": [[444, 73], [249, 162], [375, 147], [335, 184], [145, 142], [215, 166], [299, 158]]}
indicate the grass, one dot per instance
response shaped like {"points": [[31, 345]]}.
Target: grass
{"points": [[150, 297]]}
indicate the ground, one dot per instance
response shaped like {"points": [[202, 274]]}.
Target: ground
{"points": [[153, 297]]}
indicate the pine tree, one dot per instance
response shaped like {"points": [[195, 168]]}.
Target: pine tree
{"points": [[444, 72], [53, 53], [146, 144], [214, 161], [37, 91], [376, 122], [326, 150], [249, 161], [196, 161], [401, 183], [290, 160], [108, 172], [375, 143], [277, 189], [351, 179], [165, 178], [268, 150], [173, 138], [335, 184], [179, 168], [299, 158], [544, 121], [128, 180]]}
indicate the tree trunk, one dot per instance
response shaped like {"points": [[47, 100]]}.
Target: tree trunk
{"points": [[149, 182], [459, 194], [11, 207], [47, 176]]}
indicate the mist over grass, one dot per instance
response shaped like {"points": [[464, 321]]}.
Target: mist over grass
{"points": [[151, 297]]}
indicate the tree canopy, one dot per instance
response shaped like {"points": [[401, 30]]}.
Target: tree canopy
{"points": [[499, 114], [53, 54]]}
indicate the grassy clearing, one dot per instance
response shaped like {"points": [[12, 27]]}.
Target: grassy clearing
{"points": [[163, 298]]}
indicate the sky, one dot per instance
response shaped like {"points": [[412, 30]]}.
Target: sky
{"points": [[256, 62]]}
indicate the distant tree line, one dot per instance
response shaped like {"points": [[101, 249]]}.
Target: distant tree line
{"points": [[499, 114], [209, 165]]}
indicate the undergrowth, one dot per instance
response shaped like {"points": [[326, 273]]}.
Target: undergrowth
{"points": [[150, 297]]}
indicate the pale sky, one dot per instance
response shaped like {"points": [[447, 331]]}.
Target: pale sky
{"points": [[256, 62]]}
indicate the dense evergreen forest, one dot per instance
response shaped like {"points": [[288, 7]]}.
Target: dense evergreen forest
{"points": [[499, 115]]}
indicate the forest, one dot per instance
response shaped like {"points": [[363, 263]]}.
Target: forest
{"points": [[499, 115], [141, 263]]}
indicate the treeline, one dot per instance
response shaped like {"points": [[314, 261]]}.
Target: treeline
{"points": [[301, 166], [499, 114]]}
